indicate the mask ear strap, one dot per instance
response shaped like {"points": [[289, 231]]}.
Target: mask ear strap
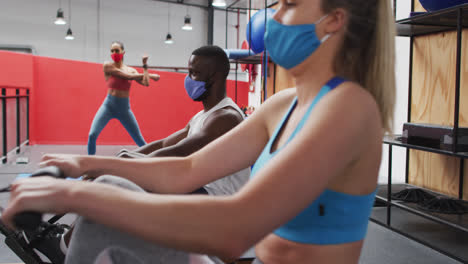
{"points": [[321, 19], [327, 36]]}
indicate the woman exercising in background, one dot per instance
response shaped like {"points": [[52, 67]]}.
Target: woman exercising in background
{"points": [[117, 103]]}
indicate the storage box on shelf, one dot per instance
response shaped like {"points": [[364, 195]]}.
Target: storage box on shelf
{"points": [[435, 136]]}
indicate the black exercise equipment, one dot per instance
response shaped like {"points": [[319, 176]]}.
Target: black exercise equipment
{"points": [[31, 228]]}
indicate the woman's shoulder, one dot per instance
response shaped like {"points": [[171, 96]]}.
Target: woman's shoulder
{"points": [[281, 98], [275, 106], [108, 64], [356, 101], [359, 95]]}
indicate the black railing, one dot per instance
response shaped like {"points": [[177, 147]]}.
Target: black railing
{"points": [[15, 116]]}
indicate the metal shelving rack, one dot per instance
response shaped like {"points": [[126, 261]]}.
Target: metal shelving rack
{"points": [[455, 18]]}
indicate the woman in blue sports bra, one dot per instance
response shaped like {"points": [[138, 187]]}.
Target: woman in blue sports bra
{"points": [[316, 149]]}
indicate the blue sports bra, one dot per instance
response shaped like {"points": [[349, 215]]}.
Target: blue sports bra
{"points": [[334, 217]]}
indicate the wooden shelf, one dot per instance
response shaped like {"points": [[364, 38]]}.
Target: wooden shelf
{"points": [[432, 22], [396, 140]]}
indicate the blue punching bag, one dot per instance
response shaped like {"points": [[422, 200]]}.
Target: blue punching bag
{"points": [[256, 29]]}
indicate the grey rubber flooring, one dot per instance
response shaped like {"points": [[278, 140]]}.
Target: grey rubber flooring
{"points": [[382, 246]]}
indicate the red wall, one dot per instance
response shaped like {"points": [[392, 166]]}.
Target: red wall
{"points": [[16, 69], [65, 96]]}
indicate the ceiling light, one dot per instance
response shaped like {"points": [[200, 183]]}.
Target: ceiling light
{"points": [[69, 35], [187, 23], [60, 19], [219, 3], [169, 39]]}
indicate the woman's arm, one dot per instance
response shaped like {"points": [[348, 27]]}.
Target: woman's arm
{"points": [[146, 76], [145, 80], [319, 153], [154, 76], [110, 69]]}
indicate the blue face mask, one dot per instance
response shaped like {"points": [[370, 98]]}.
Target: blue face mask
{"points": [[195, 89], [289, 45]]}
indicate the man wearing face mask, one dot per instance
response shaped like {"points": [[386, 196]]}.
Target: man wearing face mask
{"points": [[205, 83]]}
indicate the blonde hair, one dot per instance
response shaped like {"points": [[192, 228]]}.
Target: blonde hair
{"points": [[367, 54]]}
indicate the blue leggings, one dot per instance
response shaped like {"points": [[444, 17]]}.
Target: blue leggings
{"points": [[114, 107]]}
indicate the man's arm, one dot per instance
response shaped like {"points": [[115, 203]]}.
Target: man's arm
{"points": [[172, 139], [220, 122]]}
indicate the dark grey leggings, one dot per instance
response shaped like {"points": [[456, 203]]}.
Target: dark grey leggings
{"points": [[114, 255], [96, 243]]}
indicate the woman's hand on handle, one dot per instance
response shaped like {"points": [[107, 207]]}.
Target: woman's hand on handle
{"points": [[38, 194]]}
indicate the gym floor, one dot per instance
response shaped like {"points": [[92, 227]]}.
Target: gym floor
{"points": [[381, 246]]}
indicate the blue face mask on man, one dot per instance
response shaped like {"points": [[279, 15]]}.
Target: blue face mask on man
{"points": [[289, 45], [195, 89]]}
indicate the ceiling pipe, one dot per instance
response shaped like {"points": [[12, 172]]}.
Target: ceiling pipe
{"points": [[200, 6]]}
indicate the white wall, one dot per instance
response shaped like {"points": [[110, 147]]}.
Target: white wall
{"points": [[401, 107], [141, 25], [219, 36]]}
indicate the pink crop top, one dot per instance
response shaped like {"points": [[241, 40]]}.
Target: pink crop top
{"points": [[118, 83]]}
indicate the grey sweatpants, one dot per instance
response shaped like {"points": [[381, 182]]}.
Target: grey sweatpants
{"points": [[96, 243]]}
